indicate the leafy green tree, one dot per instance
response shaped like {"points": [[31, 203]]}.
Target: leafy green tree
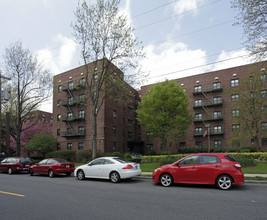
{"points": [[163, 111], [105, 38], [251, 108], [41, 142], [252, 17]]}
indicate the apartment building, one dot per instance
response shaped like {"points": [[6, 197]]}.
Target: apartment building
{"points": [[212, 96], [117, 130], [211, 99]]}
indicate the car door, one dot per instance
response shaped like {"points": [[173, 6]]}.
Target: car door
{"points": [[4, 163], [94, 169], [39, 168], [47, 166], [185, 172], [208, 169], [107, 167]]}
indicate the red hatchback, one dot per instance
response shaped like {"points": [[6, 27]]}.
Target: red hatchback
{"points": [[52, 166], [205, 168], [15, 164]]}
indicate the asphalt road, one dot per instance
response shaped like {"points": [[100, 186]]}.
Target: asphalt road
{"points": [[41, 197]]}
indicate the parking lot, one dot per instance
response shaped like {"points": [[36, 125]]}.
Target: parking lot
{"points": [[39, 197]]}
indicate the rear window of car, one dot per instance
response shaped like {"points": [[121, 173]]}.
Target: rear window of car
{"points": [[228, 157], [120, 160], [60, 161], [25, 160]]}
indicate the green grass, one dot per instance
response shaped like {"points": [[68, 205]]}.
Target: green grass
{"points": [[260, 168], [149, 167]]}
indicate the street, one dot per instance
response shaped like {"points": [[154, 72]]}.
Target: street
{"points": [[39, 197]]}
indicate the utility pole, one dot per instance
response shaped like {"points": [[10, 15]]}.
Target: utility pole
{"points": [[1, 77]]}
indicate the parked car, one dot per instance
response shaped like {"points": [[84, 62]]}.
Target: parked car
{"points": [[219, 169], [15, 164], [113, 168], [52, 166]]}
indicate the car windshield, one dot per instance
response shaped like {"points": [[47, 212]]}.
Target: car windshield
{"points": [[60, 161], [228, 157], [25, 160]]}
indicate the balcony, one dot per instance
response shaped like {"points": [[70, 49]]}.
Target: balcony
{"points": [[208, 104], [73, 118], [77, 85], [209, 118], [75, 101], [212, 133], [71, 134], [208, 90]]}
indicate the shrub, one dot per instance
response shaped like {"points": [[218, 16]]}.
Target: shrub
{"points": [[167, 161], [127, 156], [84, 156]]}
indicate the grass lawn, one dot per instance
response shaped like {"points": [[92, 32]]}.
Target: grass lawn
{"points": [[260, 168]]}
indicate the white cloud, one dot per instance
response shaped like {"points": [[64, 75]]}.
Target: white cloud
{"points": [[186, 5], [60, 58]]}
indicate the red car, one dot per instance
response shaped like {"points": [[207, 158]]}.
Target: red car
{"points": [[52, 166], [15, 164], [204, 168]]}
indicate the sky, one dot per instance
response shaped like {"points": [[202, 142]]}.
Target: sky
{"points": [[180, 37]]}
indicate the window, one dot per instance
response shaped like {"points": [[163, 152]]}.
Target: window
{"points": [[150, 147], [234, 82], [263, 77], [59, 88], [264, 142], [130, 122], [80, 146], [148, 134], [58, 117], [264, 125], [82, 82], [235, 127], [198, 144], [216, 85], [251, 79], [114, 114], [198, 102], [198, 116], [217, 114], [217, 100], [81, 130], [58, 146], [114, 129], [58, 103], [217, 143], [70, 85], [69, 146], [81, 98], [235, 112], [264, 108], [69, 131], [198, 130], [98, 162], [217, 129], [208, 159], [197, 88], [114, 147], [69, 115], [130, 134], [264, 93], [189, 161], [235, 97], [130, 110], [182, 145], [58, 132], [81, 114]]}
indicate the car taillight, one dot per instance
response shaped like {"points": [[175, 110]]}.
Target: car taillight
{"points": [[128, 167]]}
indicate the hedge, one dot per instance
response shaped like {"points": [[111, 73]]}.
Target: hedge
{"points": [[160, 158], [69, 155]]}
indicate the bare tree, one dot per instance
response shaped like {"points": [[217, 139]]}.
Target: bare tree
{"points": [[252, 17], [31, 82], [105, 39]]}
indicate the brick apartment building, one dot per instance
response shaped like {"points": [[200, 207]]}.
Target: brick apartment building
{"points": [[211, 100]]}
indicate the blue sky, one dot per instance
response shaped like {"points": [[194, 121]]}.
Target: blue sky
{"points": [[176, 35]]}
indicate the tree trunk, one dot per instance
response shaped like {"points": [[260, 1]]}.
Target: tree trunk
{"points": [[94, 129]]}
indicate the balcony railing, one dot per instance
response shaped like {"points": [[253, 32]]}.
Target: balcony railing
{"points": [[75, 101], [208, 103], [73, 133], [212, 133], [209, 118], [208, 90], [73, 118]]}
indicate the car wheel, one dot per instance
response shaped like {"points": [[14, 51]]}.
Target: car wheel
{"points": [[31, 172], [9, 170], [115, 177], [80, 175], [51, 173], [224, 182], [166, 180]]}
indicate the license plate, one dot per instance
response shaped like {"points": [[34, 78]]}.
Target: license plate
{"points": [[27, 165], [67, 166]]}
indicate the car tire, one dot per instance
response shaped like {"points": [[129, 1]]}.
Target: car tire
{"points": [[224, 182], [80, 175], [51, 173], [31, 172], [115, 177], [166, 180], [9, 171]]}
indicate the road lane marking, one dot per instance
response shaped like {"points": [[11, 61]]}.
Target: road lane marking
{"points": [[13, 194]]}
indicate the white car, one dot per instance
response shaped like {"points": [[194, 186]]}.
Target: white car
{"points": [[113, 168]]}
